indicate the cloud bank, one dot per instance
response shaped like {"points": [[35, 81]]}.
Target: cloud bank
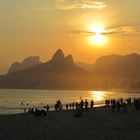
{"points": [[79, 4], [120, 30]]}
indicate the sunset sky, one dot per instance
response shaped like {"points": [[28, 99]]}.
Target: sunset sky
{"points": [[87, 29]]}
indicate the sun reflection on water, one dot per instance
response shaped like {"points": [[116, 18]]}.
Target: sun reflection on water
{"points": [[98, 95]]}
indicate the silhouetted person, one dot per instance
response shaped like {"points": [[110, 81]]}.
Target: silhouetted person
{"points": [[59, 105], [73, 105], [77, 105], [86, 105], [67, 106], [91, 104], [82, 104], [118, 105], [113, 104], [107, 102], [47, 107], [56, 106], [121, 101]]}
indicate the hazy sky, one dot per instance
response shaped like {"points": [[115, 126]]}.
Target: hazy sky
{"points": [[40, 27]]}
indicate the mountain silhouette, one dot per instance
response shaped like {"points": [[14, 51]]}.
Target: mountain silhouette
{"points": [[61, 72], [117, 66], [58, 56], [58, 73], [26, 63], [117, 72]]}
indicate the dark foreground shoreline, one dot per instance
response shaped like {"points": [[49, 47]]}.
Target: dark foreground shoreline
{"points": [[97, 124]]}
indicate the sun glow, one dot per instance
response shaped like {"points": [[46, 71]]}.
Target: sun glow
{"points": [[97, 39], [98, 95], [98, 29]]}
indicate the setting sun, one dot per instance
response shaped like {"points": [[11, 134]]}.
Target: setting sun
{"points": [[97, 28], [97, 38]]}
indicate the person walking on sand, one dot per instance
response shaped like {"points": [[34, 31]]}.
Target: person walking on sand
{"points": [[86, 104], [77, 105], [118, 106], [47, 107], [56, 106], [67, 106], [59, 105], [73, 105], [82, 104], [113, 104], [121, 100], [91, 104]]}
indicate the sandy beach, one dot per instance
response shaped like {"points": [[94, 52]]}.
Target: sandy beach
{"points": [[97, 124]]}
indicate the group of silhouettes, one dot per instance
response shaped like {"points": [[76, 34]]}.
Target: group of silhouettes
{"points": [[38, 112], [118, 104], [115, 105], [82, 104], [80, 107]]}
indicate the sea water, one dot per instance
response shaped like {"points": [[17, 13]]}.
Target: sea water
{"points": [[14, 101]]}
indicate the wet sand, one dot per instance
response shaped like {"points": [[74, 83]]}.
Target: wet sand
{"points": [[96, 124]]}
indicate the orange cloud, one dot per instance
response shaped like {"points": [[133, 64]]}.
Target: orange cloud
{"points": [[79, 4], [120, 30]]}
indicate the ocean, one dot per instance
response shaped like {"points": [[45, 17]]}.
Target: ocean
{"points": [[14, 101]]}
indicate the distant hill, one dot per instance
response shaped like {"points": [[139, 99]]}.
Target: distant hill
{"points": [[58, 73], [127, 66], [115, 66], [117, 72], [26, 63]]}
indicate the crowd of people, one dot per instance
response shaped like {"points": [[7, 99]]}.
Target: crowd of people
{"points": [[115, 105], [121, 103], [82, 104], [37, 112], [118, 104]]}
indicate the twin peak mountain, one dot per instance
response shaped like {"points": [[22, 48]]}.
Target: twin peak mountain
{"points": [[57, 58], [114, 71], [58, 73]]}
